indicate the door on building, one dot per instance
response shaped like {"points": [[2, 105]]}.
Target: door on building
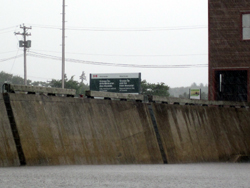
{"points": [[231, 85]]}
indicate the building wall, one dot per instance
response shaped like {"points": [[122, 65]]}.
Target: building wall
{"points": [[227, 50]]}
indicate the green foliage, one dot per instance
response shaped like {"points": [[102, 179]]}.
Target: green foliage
{"points": [[183, 92], [10, 78], [159, 89], [204, 96], [184, 96], [80, 87]]}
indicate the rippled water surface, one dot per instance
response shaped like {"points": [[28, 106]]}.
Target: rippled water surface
{"points": [[118, 176]]}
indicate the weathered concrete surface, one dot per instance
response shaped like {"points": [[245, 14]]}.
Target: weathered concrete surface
{"points": [[60, 131], [8, 153], [201, 134], [57, 130]]}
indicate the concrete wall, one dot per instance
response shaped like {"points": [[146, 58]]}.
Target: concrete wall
{"points": [[59, 130], [201, 134], [8, 154], [64, 131]]}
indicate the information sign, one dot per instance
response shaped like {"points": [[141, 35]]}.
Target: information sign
{"points": [[195, 93], [118, 83]]}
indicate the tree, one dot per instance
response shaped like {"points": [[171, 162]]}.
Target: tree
{"points": [[194, 85], [184, 96], [80, 87], [159, 89], [204, 96], [10, 78], [180, 91], [69, 84], [83, 77]]}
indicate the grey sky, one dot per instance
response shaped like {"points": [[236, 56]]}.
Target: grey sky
{"points": [[137, 32]]}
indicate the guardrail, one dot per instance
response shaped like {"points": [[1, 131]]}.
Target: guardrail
{"points": [[12, 88]]}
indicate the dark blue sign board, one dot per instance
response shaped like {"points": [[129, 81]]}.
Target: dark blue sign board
{"points": [[118, 83]]}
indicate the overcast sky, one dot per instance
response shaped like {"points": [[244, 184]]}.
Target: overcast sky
{"points": [[162, 33]]}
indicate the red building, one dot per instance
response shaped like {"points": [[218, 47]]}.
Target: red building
{"points": [[229, 50]]}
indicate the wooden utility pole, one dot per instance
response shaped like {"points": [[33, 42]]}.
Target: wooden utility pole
{"points": [[25, 44], [63, 43]]}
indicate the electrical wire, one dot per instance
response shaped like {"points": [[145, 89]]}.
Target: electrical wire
{"points": [[121, 29], [14, 57], [14, 61], [125, 55], [8, 28], [8, 52], [45, 56]]}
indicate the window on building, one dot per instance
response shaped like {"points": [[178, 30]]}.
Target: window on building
{"points": [[246, 26]]}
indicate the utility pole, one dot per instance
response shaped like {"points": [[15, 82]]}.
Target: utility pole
{"points": [[63, 43], [25, 44]]}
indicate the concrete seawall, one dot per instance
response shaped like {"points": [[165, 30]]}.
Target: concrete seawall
{"points": [[202, 134], [58, 130], [68, 131], [8, 152]]}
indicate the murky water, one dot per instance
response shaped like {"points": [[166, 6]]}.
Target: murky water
{"points": [[119, 176]]}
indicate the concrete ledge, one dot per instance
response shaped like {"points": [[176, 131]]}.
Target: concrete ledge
{"points": [[172, 100], [11, 88]]}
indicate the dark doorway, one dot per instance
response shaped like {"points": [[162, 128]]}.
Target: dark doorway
{"points": [[231, 85]]}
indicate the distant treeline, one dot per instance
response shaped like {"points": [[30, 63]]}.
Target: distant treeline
{"points": [[160, 89], [183, 92], [80, 87]]}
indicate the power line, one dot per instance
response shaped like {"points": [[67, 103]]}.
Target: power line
{"points": [[127, 55], [5, 32], [122, 29], [14, 61], [32, 76], [7, 52], [135, 29], [7, 28], [14, 57], [45, 56]]}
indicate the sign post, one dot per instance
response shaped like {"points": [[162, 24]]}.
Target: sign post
{"points": [[118, 83]]}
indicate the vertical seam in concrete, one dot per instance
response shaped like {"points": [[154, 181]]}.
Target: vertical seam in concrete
{"points": [[14, 130], [158, 137]]}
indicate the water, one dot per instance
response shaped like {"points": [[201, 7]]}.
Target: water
{"points": [[119, 176]]}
